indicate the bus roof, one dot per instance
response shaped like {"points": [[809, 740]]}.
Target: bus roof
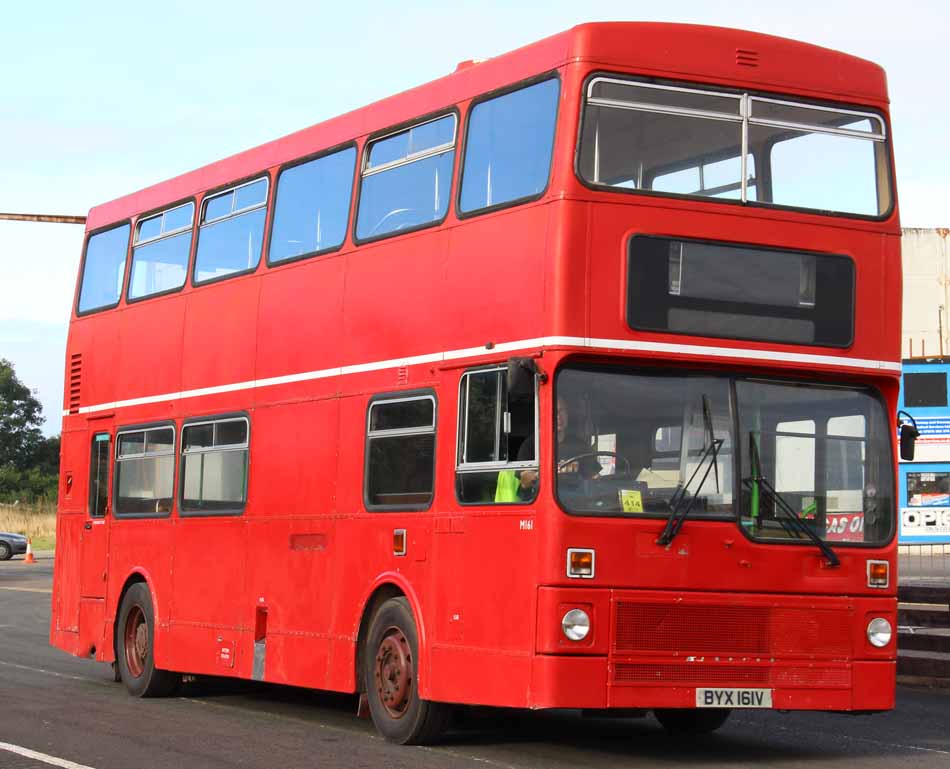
{"points": [[718, 55]]}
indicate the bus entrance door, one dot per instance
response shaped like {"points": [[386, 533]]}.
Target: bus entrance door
{"points": [[94, 543]]}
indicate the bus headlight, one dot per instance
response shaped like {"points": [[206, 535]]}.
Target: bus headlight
{"points": [[879, 632], [576, 624]]}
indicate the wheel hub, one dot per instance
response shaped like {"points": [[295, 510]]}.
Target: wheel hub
{"points": [[393, 672], [136, 641]]}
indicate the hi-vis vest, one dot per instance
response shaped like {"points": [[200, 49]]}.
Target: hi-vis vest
{"points": [[507, 488]]}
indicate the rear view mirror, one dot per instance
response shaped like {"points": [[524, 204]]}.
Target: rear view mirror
{"points": [[521, 373], [908, 436], [908, 442]]}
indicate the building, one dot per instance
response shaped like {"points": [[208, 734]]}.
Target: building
{"points": [[924, 484]]}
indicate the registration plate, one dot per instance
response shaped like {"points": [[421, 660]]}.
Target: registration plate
{"points": [[733, 698]]}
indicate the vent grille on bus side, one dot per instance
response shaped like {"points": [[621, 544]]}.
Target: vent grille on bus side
{"points": [[747, 58], [731, 630], [75, 381]]}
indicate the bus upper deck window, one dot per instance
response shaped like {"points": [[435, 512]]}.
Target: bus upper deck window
{"points": [[312, 206], [160, 252], [231, 232], [104, 269], [407, 178], [508, 148], [700, 142]]}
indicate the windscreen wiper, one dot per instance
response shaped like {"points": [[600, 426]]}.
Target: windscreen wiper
{"points": [[711, 437], [758, 482], [680, 511]]}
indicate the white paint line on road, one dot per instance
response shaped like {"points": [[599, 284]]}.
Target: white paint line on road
{"points": [[51, 760], [27, 589], [895, 745], [49, 672], [878, 743], [466, 756]]}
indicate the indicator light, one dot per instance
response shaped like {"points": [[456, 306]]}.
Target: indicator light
{"points": [[580, 563], [399, 541], [878, 574]]}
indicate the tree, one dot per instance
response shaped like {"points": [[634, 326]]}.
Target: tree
{"points": [[46, 456], [20, 418]]}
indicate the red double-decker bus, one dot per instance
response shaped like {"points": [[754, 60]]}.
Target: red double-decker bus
{"points": [[565, 381]]}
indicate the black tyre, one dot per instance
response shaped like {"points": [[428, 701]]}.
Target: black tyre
{"points": [[135, 646], [6, 552], [390, 664], [692, 721]]}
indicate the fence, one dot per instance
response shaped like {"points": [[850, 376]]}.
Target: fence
{"points": [[923, 633], [924, 564]]}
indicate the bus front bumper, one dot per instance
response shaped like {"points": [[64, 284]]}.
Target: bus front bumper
{"points": [[655, 649]]}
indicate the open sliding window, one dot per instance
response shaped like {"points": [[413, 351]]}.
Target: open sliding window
{"points": [[699, 142], [400, 452], [407, 178], [145, 471], [231, 232], [214, 465], [160, 252], [497, 459]]}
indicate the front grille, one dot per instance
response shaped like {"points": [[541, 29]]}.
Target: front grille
{"points": [[730, 630]]}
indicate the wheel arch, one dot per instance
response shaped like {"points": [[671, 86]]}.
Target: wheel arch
{"points": [[137, 575], [386, 586]]}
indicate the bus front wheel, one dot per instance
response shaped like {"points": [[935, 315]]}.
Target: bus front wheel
{"points": [[391, 676], [135, 646], [692, 721]]}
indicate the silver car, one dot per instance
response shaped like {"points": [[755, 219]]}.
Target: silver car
{"points": [[11, 545]]}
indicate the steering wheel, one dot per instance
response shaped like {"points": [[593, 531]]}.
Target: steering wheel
{"points": [[627, 471], [397, 212]]}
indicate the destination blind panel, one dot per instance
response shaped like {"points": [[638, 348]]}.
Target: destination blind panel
{"points": [[740, 292]]}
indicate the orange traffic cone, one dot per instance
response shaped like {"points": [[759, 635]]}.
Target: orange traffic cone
{"points": [[30, 558]]}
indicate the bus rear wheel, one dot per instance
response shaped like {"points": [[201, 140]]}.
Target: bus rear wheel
{"points": [[391, 675], [135, 646], [692, 721]]}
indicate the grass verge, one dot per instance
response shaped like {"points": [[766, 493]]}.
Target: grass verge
{"points": [[37, 521]]}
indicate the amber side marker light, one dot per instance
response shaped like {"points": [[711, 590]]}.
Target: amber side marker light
{"points": [[399, 541], [580, 563], [879, 574]]}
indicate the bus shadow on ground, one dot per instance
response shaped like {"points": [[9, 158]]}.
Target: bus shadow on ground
{"points": [[766, 738]]}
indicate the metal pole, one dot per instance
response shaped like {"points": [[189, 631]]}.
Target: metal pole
{"points": [[46, 218], [940, 327]]}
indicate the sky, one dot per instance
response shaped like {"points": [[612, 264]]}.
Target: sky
{"points": [[101, 99]]}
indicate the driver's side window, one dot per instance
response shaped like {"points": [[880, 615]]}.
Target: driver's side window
{"points": [[497, 459], [407, 178]]}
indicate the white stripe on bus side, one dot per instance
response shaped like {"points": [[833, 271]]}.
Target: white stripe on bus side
{"points": [[771, 356]]}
